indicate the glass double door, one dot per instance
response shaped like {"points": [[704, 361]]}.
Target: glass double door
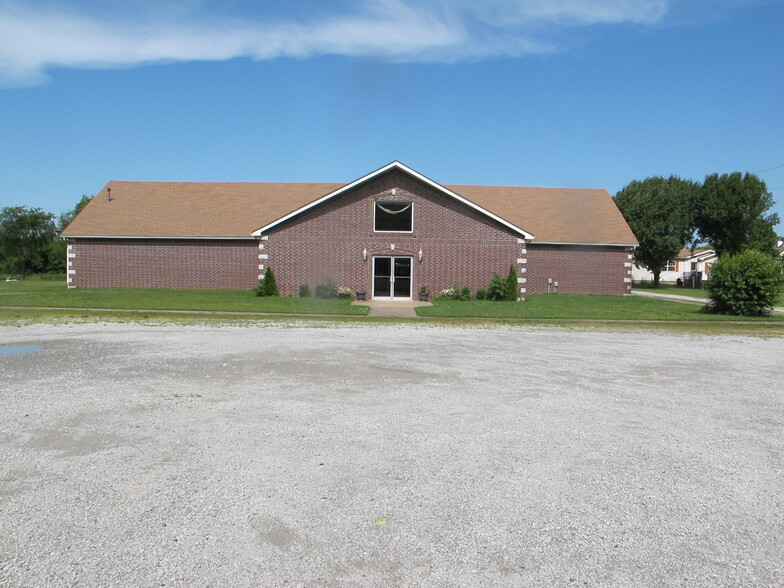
{"points": [[392, 277]]}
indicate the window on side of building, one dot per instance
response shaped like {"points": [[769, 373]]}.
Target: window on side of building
{"points": [[393, 217]]}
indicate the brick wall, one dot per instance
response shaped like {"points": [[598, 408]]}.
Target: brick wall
{"points": [[459, 245], [162, 263], [578, 269]]}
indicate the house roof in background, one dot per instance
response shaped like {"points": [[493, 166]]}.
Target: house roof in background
{"points": [[237, 209], [698, 252]]}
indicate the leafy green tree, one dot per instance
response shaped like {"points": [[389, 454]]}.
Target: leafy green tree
{"points": [[730, 213], [659, 212], [24, 232], [66, 218], [746, 284]]}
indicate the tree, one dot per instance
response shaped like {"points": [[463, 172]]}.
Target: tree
{"points": [[659, 212], [23, 233], [511, 284], [730, 214], [267, 286], [746, 284], [67, 217]]}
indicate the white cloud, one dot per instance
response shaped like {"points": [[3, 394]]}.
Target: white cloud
{"points": [[35, 37]]}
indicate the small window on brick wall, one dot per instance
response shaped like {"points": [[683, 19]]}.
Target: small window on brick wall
{"points": [[394, 217]]}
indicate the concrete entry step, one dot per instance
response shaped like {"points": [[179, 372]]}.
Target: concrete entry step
{"points": [[392, 308]]}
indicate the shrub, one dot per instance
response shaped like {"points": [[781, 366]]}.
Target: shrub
{"points": [[497, 289], [304, 291], [457, 293], [327, 289], [481, 294], [511, 284], [746, 284], [267, 285], [344, 292]]}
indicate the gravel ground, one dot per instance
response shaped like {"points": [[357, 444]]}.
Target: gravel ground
{"points": [[352, 455]]}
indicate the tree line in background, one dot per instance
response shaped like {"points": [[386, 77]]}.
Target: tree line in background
{"points": [[730, 213], [30, 240]]}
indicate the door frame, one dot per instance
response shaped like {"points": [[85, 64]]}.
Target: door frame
{"points": [[392, 278]]}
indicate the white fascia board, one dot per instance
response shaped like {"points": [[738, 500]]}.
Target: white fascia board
{"points": [[408, 170], [245, 238]]}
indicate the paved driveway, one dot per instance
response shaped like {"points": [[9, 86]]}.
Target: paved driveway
{"points": [[287, 454]]}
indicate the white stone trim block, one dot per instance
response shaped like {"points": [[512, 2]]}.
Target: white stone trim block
{"points": [[261, 276], [263, 256], [522, 290], [261, 267], [627, 280], [523, 270], [627, 264], [71, 271], [521, 241], [521, 280], [265, 238], [523, 251]]}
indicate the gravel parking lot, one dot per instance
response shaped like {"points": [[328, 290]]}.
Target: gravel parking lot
{"points": [[353, 455]]}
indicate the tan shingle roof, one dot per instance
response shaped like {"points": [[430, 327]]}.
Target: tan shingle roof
{"points": [[233, 209], [190, 209], [555, 215]]}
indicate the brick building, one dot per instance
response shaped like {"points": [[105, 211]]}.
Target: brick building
{"points": [[389, 233]]}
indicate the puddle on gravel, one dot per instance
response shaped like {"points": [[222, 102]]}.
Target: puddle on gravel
{"points": [[9, 350]]}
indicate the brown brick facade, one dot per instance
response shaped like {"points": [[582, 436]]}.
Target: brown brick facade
{"points": [[459, 245], [163, 263], [578, 269]]}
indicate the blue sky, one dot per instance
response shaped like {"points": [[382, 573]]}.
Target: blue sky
{"points": [[564, 93]]}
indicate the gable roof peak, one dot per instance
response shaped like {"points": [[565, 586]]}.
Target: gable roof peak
{"points": [[422, 178]]}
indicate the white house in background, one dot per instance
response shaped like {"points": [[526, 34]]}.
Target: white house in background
{"points": [[780, 246], [688, 263]]}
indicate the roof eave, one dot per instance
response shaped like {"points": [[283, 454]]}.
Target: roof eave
{"points": [[191, 237], [586, 244]]}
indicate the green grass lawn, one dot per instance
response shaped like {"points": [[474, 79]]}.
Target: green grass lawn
{"points": [[43, 293], [693, 292], [573, 306], [672, 289], [57, 294]]}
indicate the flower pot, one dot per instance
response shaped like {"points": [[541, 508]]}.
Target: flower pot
{"points": [[361, 295]]}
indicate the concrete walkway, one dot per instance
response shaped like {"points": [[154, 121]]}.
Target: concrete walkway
{"points": [[673, 297], [681, 298], [392, 308]]}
